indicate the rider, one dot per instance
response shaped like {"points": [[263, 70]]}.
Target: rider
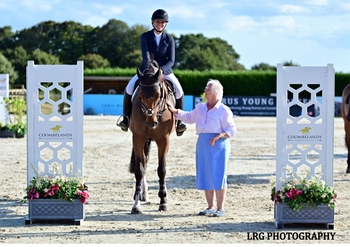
{"points": [[161, 46]]}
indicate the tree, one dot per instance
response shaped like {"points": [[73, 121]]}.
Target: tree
{"points": [[108, 41], [290, 63], [7, 68], [6, 35], [213, 54], [62, 40], [18, 58], [41, 57], [264, 67], [94, 61]]}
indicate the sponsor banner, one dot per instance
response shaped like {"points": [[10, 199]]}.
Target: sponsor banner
{"points": [[55, 131], [248, 105], [303, 133]]}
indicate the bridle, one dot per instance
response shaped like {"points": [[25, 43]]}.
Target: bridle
{"points": [[161, 106]]}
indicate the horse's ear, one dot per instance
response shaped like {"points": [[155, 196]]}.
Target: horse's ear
{"points": [[157, 75], [139, 73]]}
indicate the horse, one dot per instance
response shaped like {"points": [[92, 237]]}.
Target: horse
{"points": [[150, 121], [345, 113]]}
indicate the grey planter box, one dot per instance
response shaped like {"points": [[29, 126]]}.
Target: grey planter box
{"points": [[55, 209], [7, 134], [319, 215]]}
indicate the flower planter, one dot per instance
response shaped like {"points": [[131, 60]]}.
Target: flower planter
{"points": [[7, 134], [319, 215], [55, 209]]}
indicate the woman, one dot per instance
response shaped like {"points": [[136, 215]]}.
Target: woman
{"points": [[214, 126], [161, 46]]}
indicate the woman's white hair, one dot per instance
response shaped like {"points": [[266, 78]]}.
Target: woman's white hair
{"points": [[216, 88]]}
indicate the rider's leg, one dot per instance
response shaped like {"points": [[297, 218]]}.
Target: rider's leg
{"points": [[179, 95], [124, 124]]}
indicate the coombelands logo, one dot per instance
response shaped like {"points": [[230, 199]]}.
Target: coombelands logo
{"points": [[56, 128], [55, 133], [305, 130], [304, 136]]}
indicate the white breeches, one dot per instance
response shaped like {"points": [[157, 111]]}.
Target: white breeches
{"points": [[171, 77]]}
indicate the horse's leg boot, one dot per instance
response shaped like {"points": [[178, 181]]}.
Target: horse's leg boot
{"points": [[180, 126], [124, 124]]}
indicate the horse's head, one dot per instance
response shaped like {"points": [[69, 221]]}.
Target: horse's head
{"points": [[151, 93]]}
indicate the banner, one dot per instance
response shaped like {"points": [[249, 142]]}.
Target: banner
{"points": [[247, 105]]}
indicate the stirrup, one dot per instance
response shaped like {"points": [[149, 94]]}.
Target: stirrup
{"points": [[180, 129], [122, 123]]}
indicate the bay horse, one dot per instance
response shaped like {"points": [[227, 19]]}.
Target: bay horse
{"points": [[150, 121], [345, 113]]}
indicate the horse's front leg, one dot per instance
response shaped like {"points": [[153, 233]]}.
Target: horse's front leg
{"points": [[139, 174], [162, 193]]}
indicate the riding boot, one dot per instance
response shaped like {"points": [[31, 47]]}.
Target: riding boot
{"points": [[180, 126], [124, 124]]}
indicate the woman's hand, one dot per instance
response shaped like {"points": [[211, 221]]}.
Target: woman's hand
{"points": [[215, 138], [171, 107]]}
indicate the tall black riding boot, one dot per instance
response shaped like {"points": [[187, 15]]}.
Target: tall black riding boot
{"points": [[124, 124], [180, 126]]}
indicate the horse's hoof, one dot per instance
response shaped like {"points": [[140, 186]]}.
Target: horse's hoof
{"points": [[163, 207], [348, 170], [136, 211]]}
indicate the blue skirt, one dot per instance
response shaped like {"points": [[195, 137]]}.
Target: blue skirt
{"points": [[211, 162]]}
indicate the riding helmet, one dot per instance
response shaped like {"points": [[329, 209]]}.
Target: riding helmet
{"points": [[160, 14]]}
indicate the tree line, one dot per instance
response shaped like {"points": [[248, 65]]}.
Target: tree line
{"points": [[114, 44]]}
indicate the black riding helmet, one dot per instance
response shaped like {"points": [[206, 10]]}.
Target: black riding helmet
{"points": [[160, 14]]}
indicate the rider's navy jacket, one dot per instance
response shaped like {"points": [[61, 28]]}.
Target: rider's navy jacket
{"points": [[164, 54]]}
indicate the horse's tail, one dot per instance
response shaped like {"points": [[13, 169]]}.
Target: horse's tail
{"points": [[146, 149]]}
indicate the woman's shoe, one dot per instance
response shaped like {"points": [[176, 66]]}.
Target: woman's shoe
{"points": [[207, 212], [219, 213]]}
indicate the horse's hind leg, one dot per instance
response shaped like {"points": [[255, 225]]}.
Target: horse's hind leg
{"points": [[144, 184], [144, 190]]}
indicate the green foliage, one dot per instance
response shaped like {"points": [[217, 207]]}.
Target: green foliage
{"points": [[18, 125], [7, 68], [41, 57], [238, 83], [264, 67], [304, 190], [110, 72], [94, 61], [18, 58], [196, 52], [57, 187]]}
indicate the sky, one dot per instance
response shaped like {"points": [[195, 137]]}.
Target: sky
{"points": [[306, 32]]}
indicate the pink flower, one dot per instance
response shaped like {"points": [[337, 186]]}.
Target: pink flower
{"points": [[53, 189], [293, 193], [36, 195], [86, 194], [83, 200]]}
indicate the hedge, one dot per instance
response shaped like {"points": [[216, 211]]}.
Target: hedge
{"points": [[239, 83]]}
